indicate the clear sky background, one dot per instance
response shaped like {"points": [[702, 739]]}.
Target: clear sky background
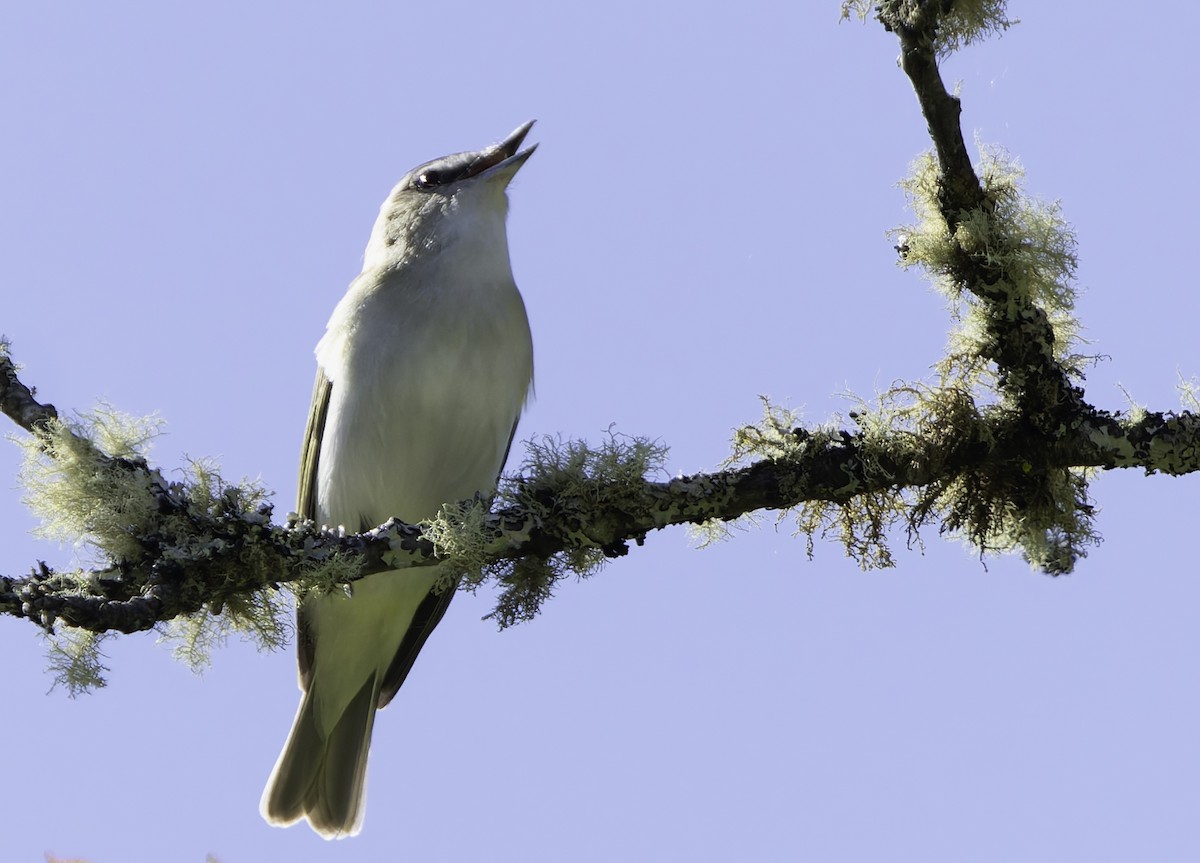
{"points": [[187, 191]]}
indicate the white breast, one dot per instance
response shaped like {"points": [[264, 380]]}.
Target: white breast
{"points": [[428, 378]]}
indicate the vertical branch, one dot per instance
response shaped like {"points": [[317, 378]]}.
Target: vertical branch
{"points": [[916, 24]]}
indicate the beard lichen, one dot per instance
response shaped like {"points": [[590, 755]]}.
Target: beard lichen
{"points": [[1025, 243], [963, 23], [82, 498], [861, 521], [89, 483], [1007, 495], [975, 451], [565, 482], [75, 660]]}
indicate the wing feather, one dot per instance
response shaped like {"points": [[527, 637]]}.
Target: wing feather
{"points": [[306, 505]]}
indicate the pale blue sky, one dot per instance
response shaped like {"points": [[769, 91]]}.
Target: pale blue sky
{"points": [[188, 190]]}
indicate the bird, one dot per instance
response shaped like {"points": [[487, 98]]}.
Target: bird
{"points": [[422, 374]]}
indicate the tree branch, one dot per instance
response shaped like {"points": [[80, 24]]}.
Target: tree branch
{"points": [[1022, 342], [1005, 474], [233, 553], [16, 399]]}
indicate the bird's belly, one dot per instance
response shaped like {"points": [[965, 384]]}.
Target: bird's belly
{"points": [[403, 444]]}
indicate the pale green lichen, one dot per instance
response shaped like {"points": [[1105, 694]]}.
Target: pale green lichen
{"points": [[330, 572], [1026, 240], [1189, 393], [459, 536], [262, 617], [1046, 515], [994, 506], [971, 21], [887, 436], [773, 437], [715, 530], [860, 523], [86, 479], [595, 476], [859, 8], [975, 487], [75, 660], [966, 22], [1136, 412], [863, 522], [564, 481], [82, 499], [1029, 240], [88, 483]]}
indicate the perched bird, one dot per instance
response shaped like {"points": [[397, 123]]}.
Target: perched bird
{"points": [[422, 374]]}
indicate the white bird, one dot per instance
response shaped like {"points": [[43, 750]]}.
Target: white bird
{"points": [[422, 374]]}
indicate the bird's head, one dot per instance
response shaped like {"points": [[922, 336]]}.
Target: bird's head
{"points": [[447, 201]]}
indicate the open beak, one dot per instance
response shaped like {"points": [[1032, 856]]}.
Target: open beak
{"points": [[503, 158]]}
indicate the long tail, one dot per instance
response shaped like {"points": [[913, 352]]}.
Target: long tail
{"points": [[323, 778]]}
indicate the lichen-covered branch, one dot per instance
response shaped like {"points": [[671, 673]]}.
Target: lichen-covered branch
{"points": [[16, 399], [997, 451], [1007, 262], [1022, 341], [218, 550]]}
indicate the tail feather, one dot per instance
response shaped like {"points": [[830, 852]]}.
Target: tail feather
{"points": [[323, 778]]}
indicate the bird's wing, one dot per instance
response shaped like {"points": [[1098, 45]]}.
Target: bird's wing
{"points": [[310, 451], [427, 616], [306, 502], [512, 434]]}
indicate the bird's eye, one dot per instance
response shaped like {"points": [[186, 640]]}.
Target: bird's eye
{"points": [[429, 179]]}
